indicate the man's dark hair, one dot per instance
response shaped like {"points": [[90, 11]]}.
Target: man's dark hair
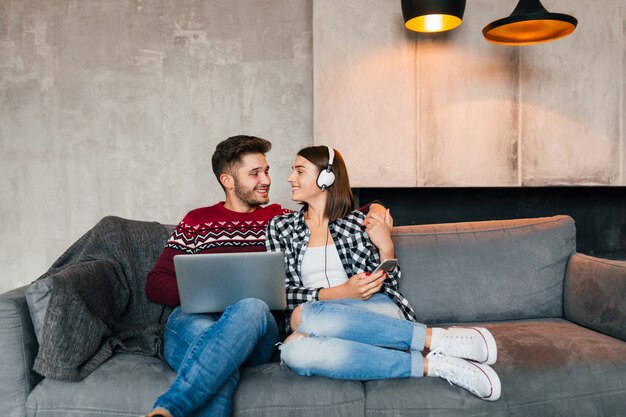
{"points": [[228, 153]]}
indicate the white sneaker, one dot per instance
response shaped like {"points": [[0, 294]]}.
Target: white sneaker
{"points": [[473, 343], [480, 380]]}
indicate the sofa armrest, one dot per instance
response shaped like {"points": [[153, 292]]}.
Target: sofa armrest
{"points": [[595, 294], [17, 355]]}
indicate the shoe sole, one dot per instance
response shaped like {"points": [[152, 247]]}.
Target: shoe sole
{"points": [[494, 379]]}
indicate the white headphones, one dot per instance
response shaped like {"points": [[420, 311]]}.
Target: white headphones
{"points": [[326, 178]]}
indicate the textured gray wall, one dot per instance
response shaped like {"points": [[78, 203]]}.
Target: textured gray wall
{"points": [[115, 106]]}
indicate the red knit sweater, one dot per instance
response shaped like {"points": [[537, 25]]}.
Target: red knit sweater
{"points": [[213, 229]]}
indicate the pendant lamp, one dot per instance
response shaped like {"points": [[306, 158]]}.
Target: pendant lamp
{"points": [[432, 15], [529, 23]]}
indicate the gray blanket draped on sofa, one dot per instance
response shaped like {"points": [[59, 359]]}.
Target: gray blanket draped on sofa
{"points": [[96, 303]]}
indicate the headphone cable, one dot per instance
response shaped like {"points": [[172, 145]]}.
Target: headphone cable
{"points": [[325, 249]]}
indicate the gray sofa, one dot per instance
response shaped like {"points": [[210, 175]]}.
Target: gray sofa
{"points": [[559, 319]]}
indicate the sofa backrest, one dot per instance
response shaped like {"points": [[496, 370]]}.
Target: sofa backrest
{"points": [[485, 271]]}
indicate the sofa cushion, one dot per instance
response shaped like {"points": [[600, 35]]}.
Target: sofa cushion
{"points": [[125, 385], [485, 271], [18, 348], [271, 390], [547, 367], [595, 294], [128, 385]]}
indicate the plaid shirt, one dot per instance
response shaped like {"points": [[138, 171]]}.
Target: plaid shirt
{"points": [[289, 234]]}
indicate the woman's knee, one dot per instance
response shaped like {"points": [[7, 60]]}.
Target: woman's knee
{"points": [[295, 353], [296, 318], [319, 318], [294, 336], [313, 318]]}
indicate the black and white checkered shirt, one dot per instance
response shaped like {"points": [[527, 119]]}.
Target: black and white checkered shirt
{"points": [[289, 234]]}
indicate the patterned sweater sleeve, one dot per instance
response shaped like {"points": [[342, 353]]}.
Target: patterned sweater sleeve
{"points": [[161, 285], [279, 238]]}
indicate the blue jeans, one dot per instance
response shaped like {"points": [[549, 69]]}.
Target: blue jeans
{"points": [[357, 340], [206, 351]]}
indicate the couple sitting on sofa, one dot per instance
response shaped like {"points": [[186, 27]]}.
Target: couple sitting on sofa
{"points": [[347, 322]]}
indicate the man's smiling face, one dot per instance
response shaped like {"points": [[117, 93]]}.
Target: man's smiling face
{"points": [[252, 181]]}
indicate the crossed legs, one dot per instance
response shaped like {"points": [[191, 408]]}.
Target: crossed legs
{"points": [[206, 351], [345, 339]]}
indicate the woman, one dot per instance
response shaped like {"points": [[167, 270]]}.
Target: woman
{"points": [[349, 323]]}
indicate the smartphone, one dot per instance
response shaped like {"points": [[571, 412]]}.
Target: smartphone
{"points": [[387, 265]]}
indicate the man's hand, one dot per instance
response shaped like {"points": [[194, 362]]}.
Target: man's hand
{"points": [[376, 209], [378, 227]]}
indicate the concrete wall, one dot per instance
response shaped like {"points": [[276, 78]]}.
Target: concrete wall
{"points": [[452, 109], [115, 107]]}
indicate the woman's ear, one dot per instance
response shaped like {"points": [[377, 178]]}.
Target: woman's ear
{"points": [[227, 181]]}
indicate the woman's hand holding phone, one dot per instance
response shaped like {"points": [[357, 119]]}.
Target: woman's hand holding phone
{"points": [[387, 265], [362, 286]]}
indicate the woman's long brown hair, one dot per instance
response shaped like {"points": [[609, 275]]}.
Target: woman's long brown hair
{"points": [[340, 200]]}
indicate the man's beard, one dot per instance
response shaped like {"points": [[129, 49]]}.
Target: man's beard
{"points": [[249, 196]]}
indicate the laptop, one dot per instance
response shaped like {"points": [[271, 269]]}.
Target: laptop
{"points": [[208, 283]]}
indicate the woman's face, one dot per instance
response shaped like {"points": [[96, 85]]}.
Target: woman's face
{"points": [[303, 180]]}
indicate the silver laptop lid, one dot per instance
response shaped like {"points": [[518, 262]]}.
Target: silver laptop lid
{"points": [[208, 283]]}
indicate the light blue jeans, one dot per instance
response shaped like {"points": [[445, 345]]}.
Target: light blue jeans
{"points": [[357, 340], [206, 351]]}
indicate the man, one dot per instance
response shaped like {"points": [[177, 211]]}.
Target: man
{"points": [[206, 350]]}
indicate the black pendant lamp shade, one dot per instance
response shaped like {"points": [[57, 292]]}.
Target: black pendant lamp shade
{"points": [[432, 15], [529, 23]]}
